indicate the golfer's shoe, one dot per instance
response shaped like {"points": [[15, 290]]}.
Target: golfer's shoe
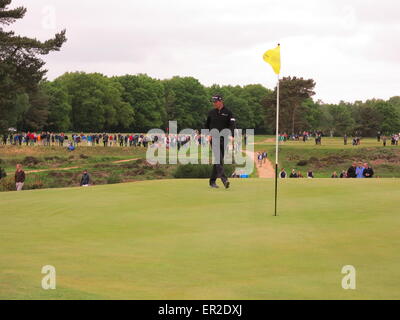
{"points": [[227, 184], [214, 186]]}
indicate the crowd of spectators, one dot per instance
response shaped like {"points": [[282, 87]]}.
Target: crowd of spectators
{"points": [[357, 170]]}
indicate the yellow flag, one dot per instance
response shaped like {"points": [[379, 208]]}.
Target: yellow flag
{"points": [[273, 57]]}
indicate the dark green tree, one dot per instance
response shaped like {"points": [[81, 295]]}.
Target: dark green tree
{"points": [[147, 100], [187, 102], [59, 107], [97, 103], [293, 93], [390, 116], [21, 69], [341, 119], [368, 119], [255, 94]]}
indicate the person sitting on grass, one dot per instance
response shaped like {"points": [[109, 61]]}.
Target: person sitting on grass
{"points": [[299, 175], [293, 174], [343, 174], [85, 179], [283, 174], [310, 174], [334, 175], [71, 147]]}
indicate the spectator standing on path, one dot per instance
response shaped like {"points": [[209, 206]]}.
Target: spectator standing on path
{"points": [[351, 172], [260, 159], [19, 177], [265, 156], [105, 139]]}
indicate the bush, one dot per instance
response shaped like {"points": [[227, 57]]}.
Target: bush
{"points": [[302, 163], [199, 171], [113, 179], [160, 172], [3, 174], [36, 184], [29, 161], [7, 184]]}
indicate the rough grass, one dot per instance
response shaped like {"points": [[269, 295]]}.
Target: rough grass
{"points": [[178, 239]]}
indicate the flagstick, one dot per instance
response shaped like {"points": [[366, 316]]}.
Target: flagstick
{"points": [[277, 149]]}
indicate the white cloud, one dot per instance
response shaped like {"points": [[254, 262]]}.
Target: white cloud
{"points": [[350, 48]]}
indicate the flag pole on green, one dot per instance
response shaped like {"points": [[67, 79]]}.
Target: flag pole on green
{"points": [[273, 57]]}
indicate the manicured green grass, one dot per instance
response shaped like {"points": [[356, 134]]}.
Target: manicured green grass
{"points": [[178, 239]]}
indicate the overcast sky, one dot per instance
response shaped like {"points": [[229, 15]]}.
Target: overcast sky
{"points": [[350, 48]]}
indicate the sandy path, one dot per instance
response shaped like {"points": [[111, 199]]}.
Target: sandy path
{"points": [[270, 140], [266, 170], [123, 161], [71, 168]]}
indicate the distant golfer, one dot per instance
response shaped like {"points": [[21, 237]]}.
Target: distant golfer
{"points": [[219, 118]]}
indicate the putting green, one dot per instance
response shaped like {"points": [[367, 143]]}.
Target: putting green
{"points": [[179, 239]]}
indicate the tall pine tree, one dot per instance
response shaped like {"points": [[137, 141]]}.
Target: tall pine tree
{"points": [[21, 68]]}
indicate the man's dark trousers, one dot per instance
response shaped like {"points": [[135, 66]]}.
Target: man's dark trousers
{"points": [[218, 168]]}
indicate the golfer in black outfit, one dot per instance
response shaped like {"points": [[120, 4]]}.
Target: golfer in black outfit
{"points": [[219, 118]]}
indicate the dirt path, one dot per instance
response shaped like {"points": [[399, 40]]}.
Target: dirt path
{"points": [[72, 168], [270, 140], [266, 170], [123, 161]]}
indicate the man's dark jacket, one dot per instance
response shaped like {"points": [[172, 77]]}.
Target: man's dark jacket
{"points": [[368, 172], [85, 179], [351, 173], [220, 120]]}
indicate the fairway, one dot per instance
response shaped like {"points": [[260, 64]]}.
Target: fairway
{"points": [[178, 239]]}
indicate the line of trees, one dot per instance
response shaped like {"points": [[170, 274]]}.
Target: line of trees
{"points": [[83, 102], [93, 102], [299, 112]]}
